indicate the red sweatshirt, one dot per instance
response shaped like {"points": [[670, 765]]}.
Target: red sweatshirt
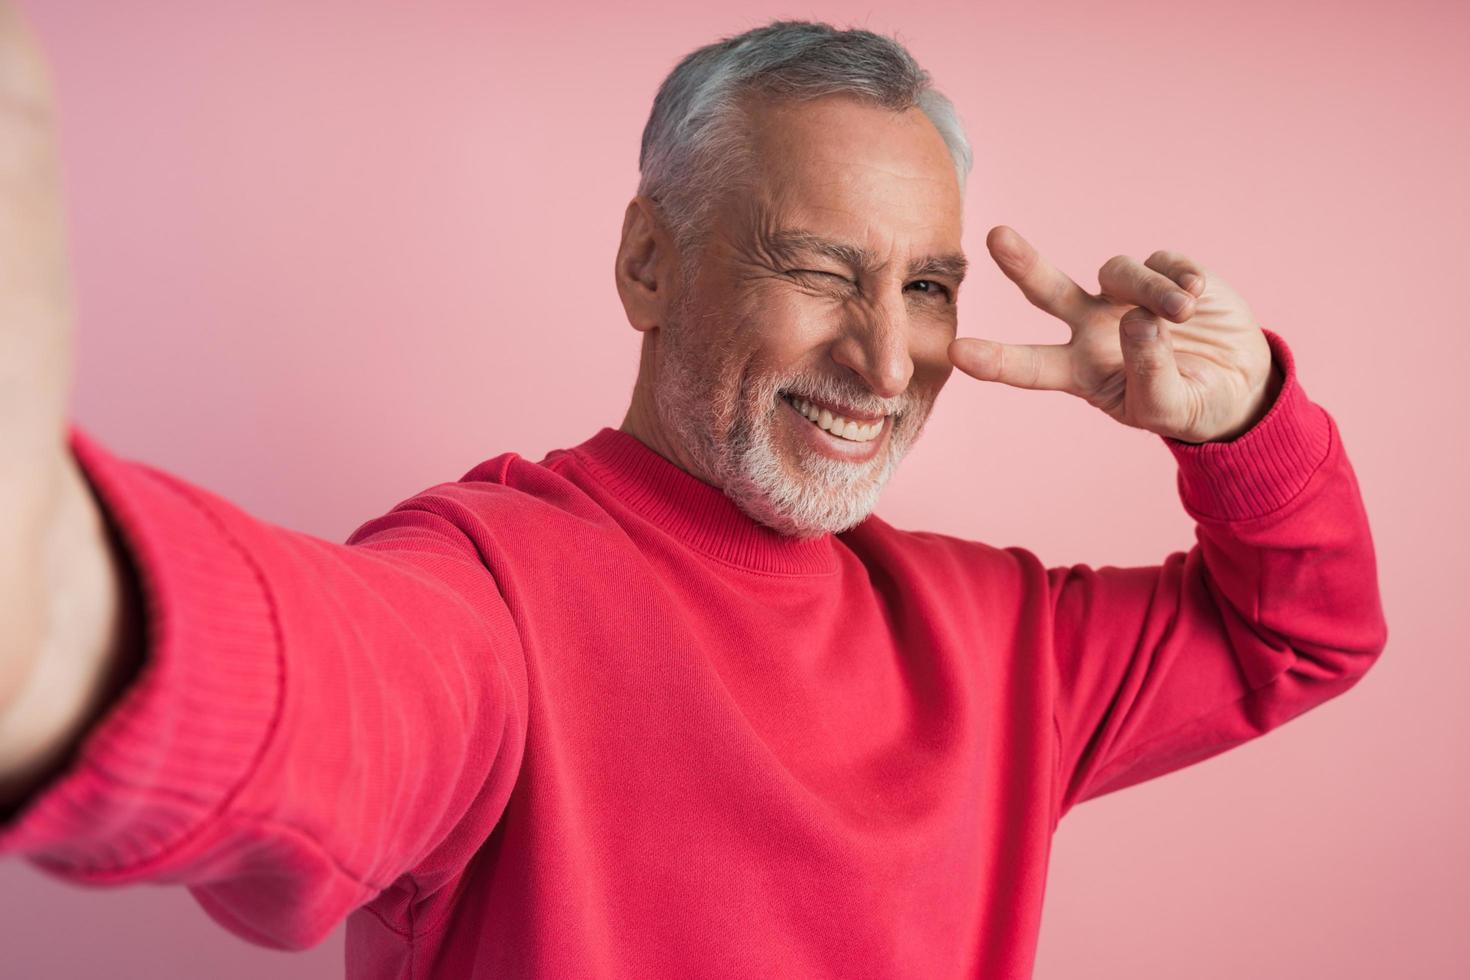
{"points": [[583, 718]]}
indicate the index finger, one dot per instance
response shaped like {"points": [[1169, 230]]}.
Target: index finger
{"points": [[1047, 287]]}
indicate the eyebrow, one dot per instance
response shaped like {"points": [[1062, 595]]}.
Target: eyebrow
{"points": [[789, 240]]}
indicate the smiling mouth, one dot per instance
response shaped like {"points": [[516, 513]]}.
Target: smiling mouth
{"points": [[836, 425]]}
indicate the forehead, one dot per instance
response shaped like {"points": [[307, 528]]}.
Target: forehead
{"points": [[854, 172]]}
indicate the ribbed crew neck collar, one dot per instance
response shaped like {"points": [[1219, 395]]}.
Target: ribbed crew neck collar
{"points": [[695, 512]]}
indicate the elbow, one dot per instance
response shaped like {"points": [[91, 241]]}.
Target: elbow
{"points": [[1354, 656], [1371, 645]]}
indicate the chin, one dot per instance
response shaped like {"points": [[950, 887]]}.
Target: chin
{"points": [[803, 494]]}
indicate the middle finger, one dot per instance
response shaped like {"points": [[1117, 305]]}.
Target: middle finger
{"points": [[1128, 282]]}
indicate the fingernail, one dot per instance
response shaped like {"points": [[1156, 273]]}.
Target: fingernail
{"points": [[1174, 303], [1140, 329], [1189, 280]]}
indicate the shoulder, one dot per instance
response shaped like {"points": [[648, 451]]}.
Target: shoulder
{"points": [[506, 496], [875, 540]]}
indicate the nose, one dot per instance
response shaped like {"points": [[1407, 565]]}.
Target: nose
{"points": [[875, 346]]}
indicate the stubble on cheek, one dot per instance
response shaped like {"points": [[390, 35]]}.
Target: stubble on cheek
{"points": [[699, 389]]}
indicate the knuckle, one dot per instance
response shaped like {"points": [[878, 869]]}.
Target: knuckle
{"points": [[1147, 369], [1033, 370]]}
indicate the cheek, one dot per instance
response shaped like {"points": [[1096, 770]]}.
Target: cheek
{"points": [[782, 326]]}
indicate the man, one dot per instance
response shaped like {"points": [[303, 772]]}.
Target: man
{"points": [[673, 702]]}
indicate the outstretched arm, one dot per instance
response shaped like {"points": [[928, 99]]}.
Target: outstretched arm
{"points": [[287, 726], [313, 724]]}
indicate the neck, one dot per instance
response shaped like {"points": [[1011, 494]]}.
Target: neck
{"points": [[641, 421]]}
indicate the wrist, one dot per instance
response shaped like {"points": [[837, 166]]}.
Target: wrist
{"points": [[1260, 404], [85, 649]]}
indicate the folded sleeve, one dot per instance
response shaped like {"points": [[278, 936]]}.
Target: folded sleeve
{"points": [[1274, 610], [311, 722]]}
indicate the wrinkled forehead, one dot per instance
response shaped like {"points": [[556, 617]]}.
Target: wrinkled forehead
{"points": [[853, 171]]}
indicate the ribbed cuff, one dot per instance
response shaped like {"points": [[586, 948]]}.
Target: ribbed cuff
{"points": [[1266, 466], [186, 732]]}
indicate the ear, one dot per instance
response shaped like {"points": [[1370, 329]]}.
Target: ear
{"points": [[645, 266]]}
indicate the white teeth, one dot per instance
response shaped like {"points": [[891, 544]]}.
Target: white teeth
{"points": [[837, 425]]}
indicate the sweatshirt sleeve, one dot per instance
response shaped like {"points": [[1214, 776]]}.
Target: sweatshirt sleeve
{"points": [[1274, 610], [311, 721]]}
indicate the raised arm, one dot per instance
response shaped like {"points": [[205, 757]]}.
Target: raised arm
{"points": [[1273, 611], [1276, 608]]}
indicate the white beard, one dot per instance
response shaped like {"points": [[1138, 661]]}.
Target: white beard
{"points": [[727, 425]]}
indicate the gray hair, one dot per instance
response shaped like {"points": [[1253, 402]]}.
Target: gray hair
{"points": [[694, 147]]}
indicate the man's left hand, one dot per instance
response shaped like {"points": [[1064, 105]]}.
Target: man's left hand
{"points": [[1198, 372]]}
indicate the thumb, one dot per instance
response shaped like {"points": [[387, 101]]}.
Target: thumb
{"points": [[1154, 397]]}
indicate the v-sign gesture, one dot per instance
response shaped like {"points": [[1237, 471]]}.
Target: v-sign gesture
{"points": [[1165, 345]]}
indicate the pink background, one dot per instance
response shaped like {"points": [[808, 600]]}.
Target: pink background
{"points": [[330, 253]]}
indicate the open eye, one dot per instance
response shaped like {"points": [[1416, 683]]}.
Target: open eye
{"points": [[936, 288]]}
